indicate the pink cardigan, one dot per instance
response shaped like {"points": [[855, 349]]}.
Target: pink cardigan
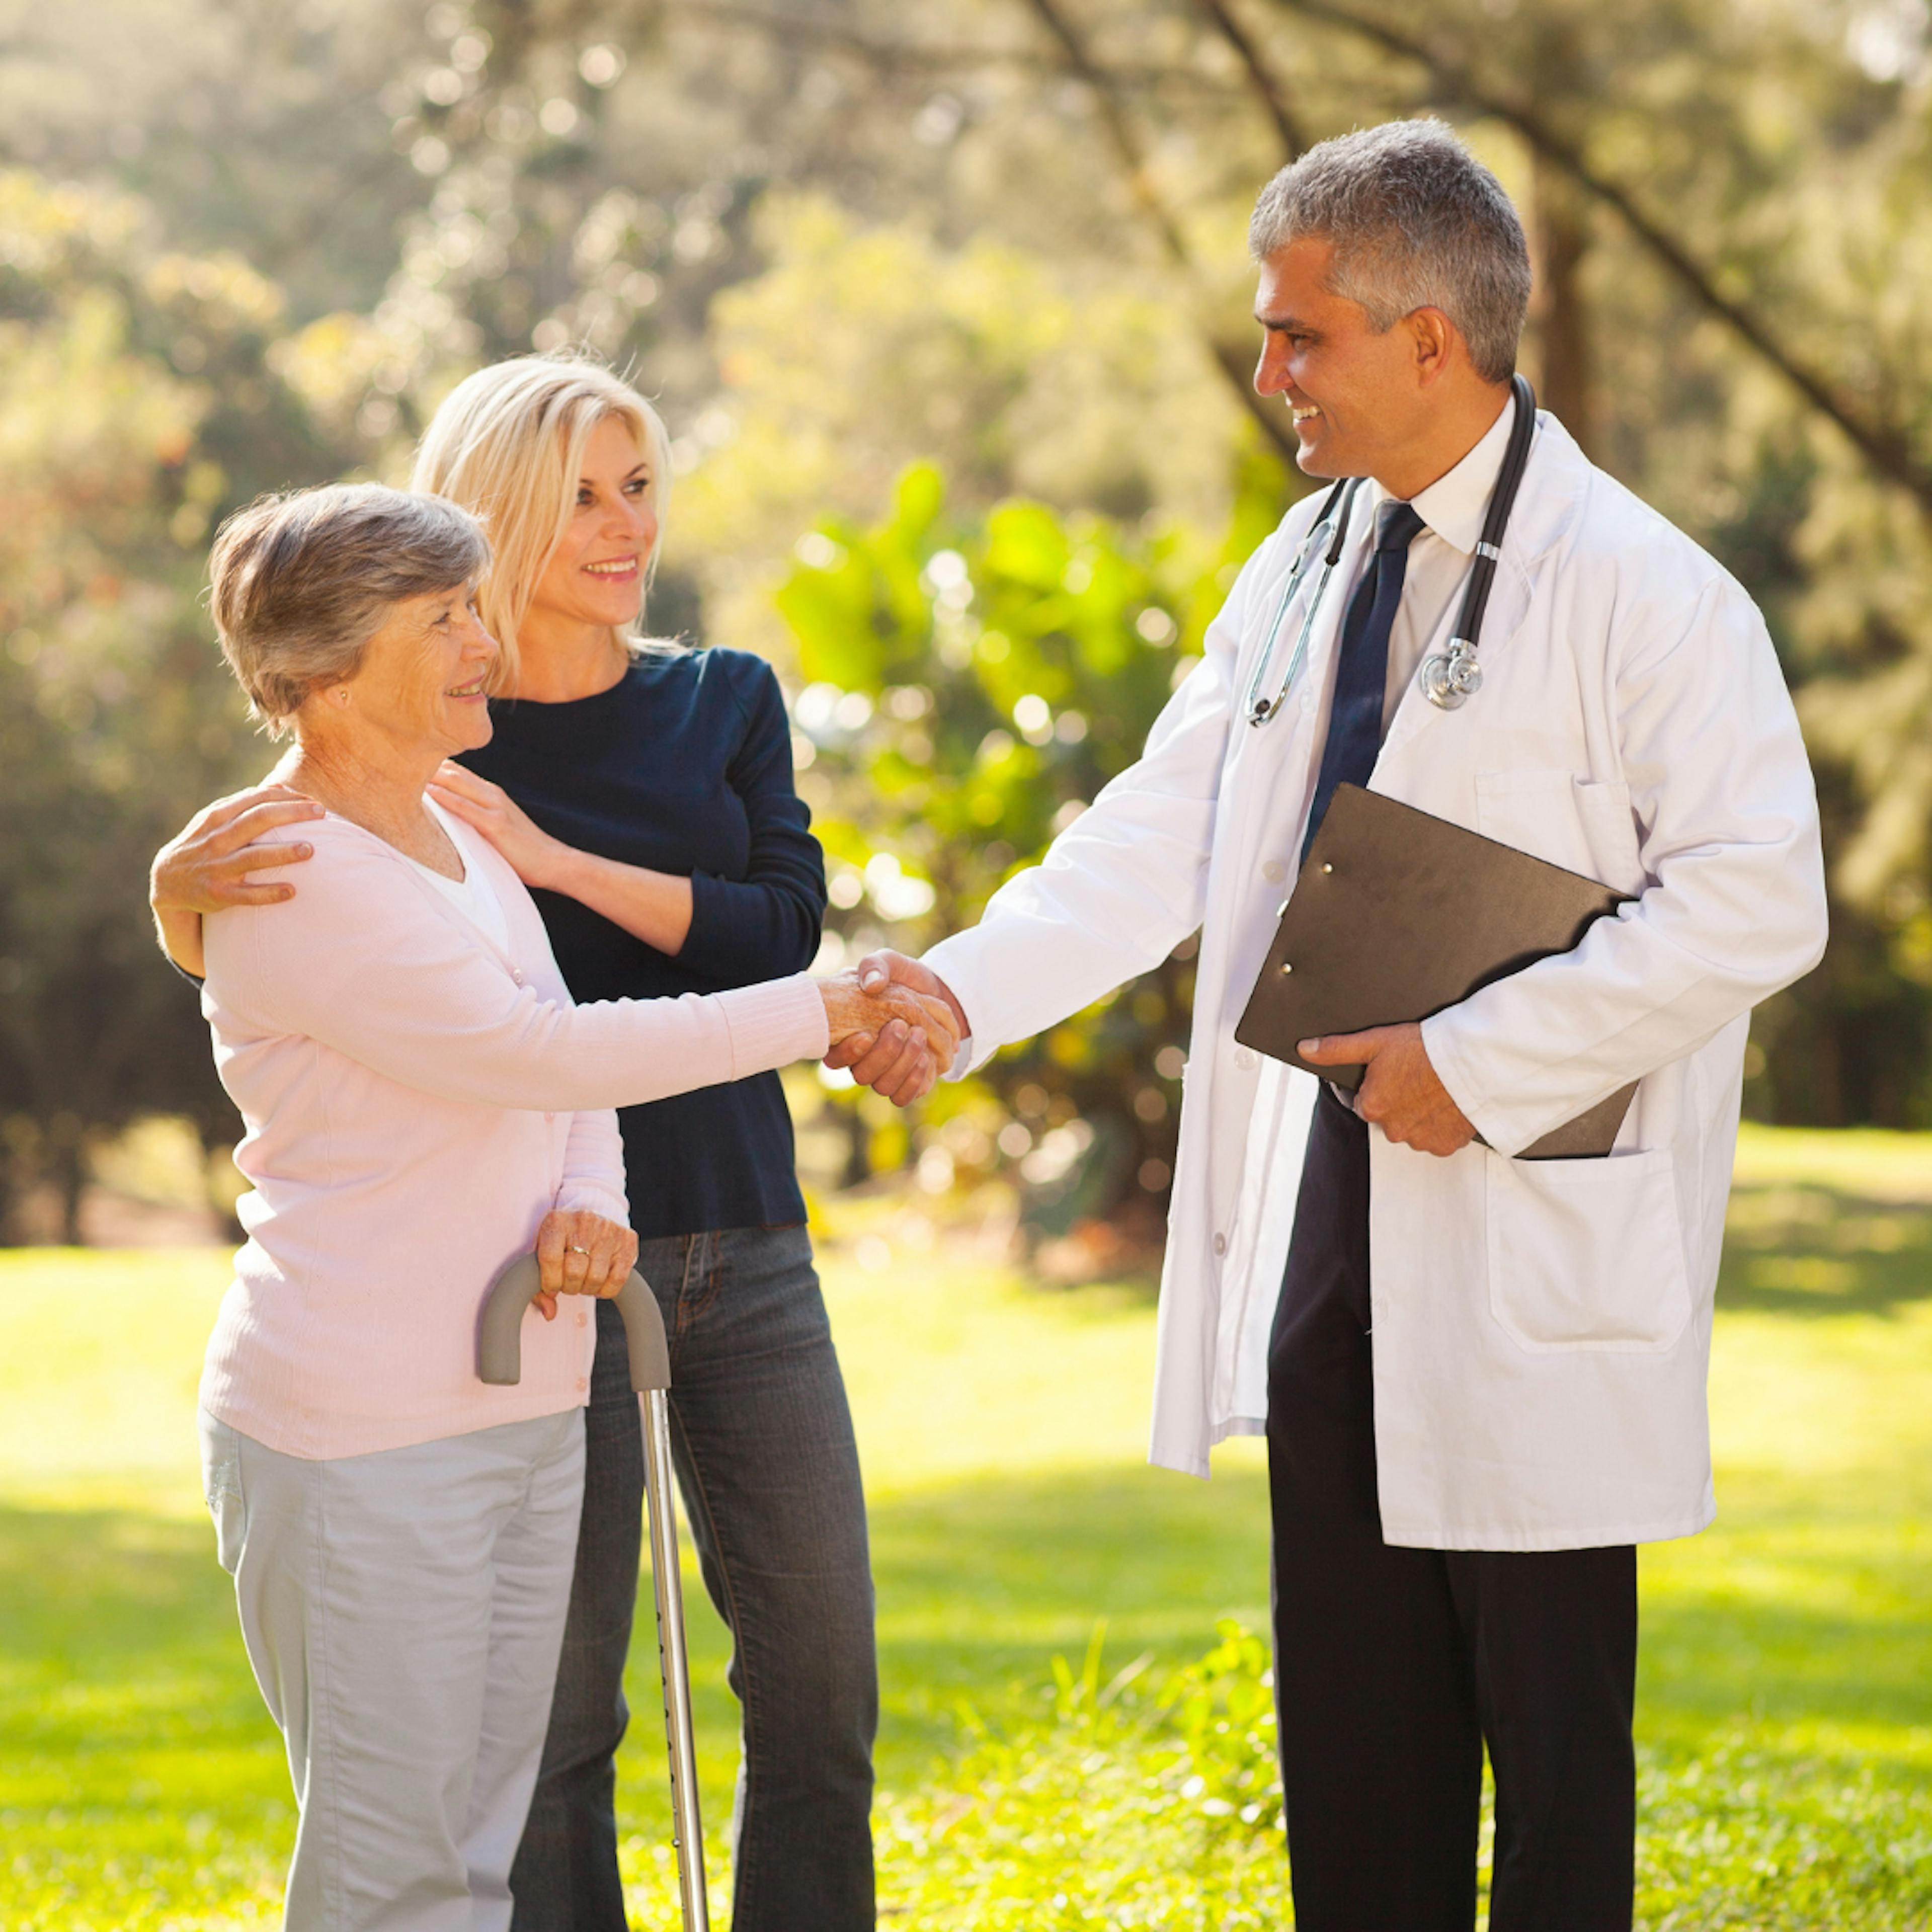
{"points": [[416, 1100]]}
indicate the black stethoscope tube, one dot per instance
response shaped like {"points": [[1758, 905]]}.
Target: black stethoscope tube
{"points": [[1450, 678]]}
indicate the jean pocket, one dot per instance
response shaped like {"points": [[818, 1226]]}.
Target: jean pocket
{"points": [[1588, 1255]]}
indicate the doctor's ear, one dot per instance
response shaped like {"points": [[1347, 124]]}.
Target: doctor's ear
{"points": [[1435, 341]]}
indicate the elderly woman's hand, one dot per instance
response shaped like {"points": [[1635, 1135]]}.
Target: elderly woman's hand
{"points": [[898, 1018], [581, 1253]]}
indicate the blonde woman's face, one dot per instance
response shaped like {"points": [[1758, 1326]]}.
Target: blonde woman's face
{"points": [[595, 575]]}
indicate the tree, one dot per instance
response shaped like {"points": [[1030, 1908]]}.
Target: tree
{"points": [[974, 680], [116, 715]]}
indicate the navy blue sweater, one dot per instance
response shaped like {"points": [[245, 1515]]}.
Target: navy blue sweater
{"points": [[683, 766]]}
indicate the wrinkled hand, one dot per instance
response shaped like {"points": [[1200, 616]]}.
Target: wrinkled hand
{"points": [[914, 1033], [1400, 1093], [581, 1253], [534, 856], [890, 1060], [210, 863]]}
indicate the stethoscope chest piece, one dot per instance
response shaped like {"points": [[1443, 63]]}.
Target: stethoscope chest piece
{"points": [[1450, 679]]}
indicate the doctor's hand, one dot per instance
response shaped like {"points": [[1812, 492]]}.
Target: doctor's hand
{"points": [[1399, 1092], [872, 1015], [892, 1061]]}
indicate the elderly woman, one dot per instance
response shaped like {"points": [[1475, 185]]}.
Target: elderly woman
{"points": [[423, 1102], [644, 792]]}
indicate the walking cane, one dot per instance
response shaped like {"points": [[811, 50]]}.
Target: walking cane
{"points": [[500, 1360]]}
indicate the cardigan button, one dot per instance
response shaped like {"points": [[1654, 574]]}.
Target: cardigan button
{"points": [[1220, 1244]]}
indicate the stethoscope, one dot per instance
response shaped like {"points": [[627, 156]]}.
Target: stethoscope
{"points": [[1449, 678]]}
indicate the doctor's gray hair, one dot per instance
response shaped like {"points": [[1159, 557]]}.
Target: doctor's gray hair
{"points": [[1416, 221]]}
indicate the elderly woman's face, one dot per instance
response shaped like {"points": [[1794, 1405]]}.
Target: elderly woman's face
{"points": [[595, 575], [420, 685]]}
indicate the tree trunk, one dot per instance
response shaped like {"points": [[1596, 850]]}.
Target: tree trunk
{"points": [[1566, 373], [70, 1176]]}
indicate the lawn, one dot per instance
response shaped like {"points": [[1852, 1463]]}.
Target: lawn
{"points": [[1785, 1705]]}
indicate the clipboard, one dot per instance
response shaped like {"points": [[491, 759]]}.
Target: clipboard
{"points": [[1398, 914]]}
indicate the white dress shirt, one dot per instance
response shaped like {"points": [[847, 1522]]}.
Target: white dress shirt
{"points": [[1452, 510]]}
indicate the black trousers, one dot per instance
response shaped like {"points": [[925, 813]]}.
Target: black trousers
{"points": [[1394, 1667]]}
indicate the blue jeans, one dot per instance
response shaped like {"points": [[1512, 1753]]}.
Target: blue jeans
{"points": [[763, 1441]]}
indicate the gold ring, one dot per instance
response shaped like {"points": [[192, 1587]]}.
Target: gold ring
{"points": [[574, 1249]]}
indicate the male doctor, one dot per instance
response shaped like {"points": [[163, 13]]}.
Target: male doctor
{"points": [[1482, 1378]]}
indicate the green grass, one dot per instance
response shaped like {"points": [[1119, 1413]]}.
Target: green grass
{"points": [[1785, 1704]]}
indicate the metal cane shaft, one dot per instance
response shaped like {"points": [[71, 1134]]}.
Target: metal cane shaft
{"points": [[687, 1829]]}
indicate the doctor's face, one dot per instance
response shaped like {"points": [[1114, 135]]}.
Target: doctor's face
{"points": [[1361, 400]]}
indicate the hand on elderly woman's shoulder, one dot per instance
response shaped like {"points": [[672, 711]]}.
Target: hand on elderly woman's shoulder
{"points": [[213, 860], [581, 1253]]}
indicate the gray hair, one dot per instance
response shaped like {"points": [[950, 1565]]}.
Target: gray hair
{"points": [[299, 583], [1416, 221]]}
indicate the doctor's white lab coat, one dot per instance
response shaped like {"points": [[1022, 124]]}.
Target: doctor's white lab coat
{"points": [[1541, 1329]]}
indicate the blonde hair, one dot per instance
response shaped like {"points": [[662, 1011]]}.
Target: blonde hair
{"points": [[508, 444], [299, 583]]}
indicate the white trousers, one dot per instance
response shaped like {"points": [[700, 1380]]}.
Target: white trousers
{"points": [[402, 1612]]}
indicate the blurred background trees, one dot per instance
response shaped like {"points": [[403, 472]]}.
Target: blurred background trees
{"points": [[946, 307]]}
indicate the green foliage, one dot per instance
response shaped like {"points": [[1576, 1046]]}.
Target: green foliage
{"points": [[136, 405], [973, 682], [1222, 1707]]}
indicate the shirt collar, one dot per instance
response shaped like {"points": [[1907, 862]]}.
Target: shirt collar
{"points": [[1454, 506]]}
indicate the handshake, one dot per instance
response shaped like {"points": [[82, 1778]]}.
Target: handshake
{"points": [[895, 1023]]}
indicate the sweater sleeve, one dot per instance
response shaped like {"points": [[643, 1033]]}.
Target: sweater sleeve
{"points": [[768, 922], [593, 1166], [361, 961]]}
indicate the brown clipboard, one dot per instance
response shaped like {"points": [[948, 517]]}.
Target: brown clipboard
{"points": [[1397, 914]]}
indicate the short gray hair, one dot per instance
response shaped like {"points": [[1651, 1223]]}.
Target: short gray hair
{"points": [[299, 583], [1416, 221]]}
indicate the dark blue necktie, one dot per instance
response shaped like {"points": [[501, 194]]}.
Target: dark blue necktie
{"points": [[1361, 672]]}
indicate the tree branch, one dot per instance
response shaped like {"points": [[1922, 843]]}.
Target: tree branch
{"points": [[1885, 445], [1266, 85], [906, 56], [1273, 423]]}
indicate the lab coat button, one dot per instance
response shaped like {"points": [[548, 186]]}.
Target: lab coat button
{"points": [[1272, 872], [516, 974], [1220, 1244], [1243, 1059]]}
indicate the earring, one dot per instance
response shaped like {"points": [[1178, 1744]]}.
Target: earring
{"points": [[342, 695]]}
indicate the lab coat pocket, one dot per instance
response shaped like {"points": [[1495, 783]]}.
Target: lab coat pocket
{"points": [[1583, 825], [1587, 1254]]}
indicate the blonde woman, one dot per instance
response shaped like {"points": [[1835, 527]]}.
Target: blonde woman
{"points": [[644, 793]]}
